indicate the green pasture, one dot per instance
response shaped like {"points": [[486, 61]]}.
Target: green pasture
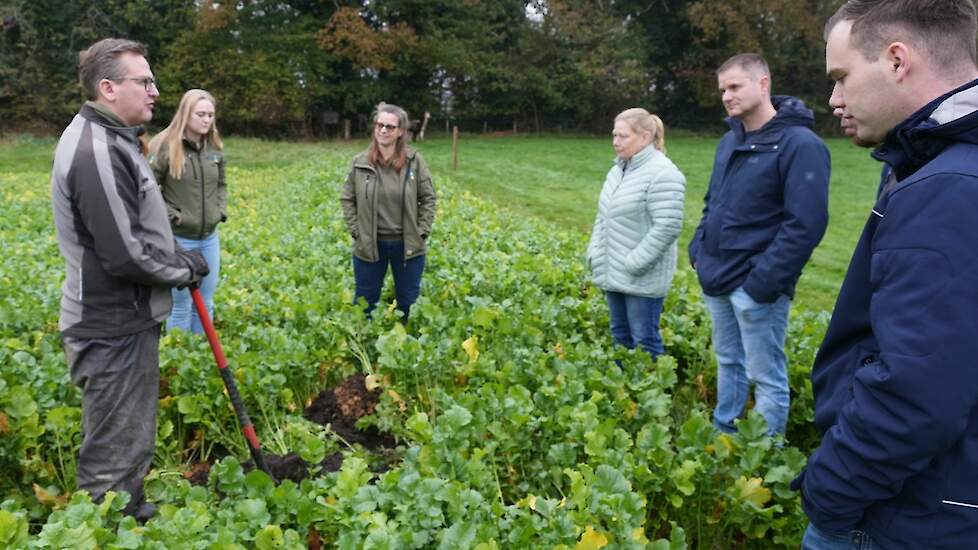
{"points": [[510, 356], [558, 179]]}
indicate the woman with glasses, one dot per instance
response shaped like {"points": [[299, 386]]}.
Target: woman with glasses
{"points": [[389, 206], [632, 253], [188, 160]]}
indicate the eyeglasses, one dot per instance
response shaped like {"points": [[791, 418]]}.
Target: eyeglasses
{"points": [[389, 127], [147, 82]]}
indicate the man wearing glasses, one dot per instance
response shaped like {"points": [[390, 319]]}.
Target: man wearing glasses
{"points": [[121, 261]]}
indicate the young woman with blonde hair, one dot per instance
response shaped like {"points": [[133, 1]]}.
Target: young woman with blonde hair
{"points": [[632, 252], [188, 160]]}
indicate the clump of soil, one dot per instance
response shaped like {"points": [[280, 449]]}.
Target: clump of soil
{"points": [[199, 474], [343, 406], [340, 408], [292, 467], [289, 466], [354, 399]]}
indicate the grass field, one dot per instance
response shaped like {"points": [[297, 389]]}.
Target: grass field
{"points": [[517, 423], [559, 178]]}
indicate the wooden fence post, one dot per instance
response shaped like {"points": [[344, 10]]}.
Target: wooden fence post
{"points": [[455, 148]]}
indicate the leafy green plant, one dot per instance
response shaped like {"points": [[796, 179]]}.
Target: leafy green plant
{"points": [[519, 424]]}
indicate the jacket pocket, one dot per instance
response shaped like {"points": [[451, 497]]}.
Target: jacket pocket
{"points": [[364, 247], [973, 505], [865, 357], [632, 268], [746, 238], [960, 492]]}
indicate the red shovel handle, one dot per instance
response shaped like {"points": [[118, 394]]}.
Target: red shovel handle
{"points": [[205, 320], [254, 446]]}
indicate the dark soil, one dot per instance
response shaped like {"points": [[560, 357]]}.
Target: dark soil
{"points": [[314, 542], [292, 467], [199, 474], [342, 406], [332, 463], [285, 467]]}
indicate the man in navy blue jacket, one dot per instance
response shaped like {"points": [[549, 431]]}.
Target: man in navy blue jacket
{"points": [[896, 378], [766, 210]]}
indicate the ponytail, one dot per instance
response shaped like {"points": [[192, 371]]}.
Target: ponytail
{"points": [[641, 120]]}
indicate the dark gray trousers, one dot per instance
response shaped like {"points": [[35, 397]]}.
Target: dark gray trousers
{"points": [[120, 383]]}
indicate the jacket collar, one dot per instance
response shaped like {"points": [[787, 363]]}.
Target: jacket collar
{"points": [[196, 146], [103, 116], [791, 111], [361, 160], [948, 119], [638, 159]]}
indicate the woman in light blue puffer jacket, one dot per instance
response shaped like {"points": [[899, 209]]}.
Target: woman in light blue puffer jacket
{"points": [[632, 253]]}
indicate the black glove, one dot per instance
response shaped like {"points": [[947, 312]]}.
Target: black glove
{"points": [[197, 265]]}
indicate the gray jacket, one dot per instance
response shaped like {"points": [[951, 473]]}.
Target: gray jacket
{"points": [[640, 214], [112, 230]]}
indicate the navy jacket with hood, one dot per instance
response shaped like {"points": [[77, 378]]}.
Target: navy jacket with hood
{"points": [[766, 208], [896, 378]]}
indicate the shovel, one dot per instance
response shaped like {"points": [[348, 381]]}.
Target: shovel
{"points": [[222, 366]]}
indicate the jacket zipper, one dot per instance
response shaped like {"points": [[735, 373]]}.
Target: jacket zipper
{"points": [[372, 198], [203, 207], [407, 176], [963, 504]]}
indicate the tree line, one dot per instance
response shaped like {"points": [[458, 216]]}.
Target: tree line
{"points": [[298, 68]]}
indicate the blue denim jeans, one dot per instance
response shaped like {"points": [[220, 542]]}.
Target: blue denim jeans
{"points": [[369, 276], [635, 321], [184, 315], [816, 539], [748, 339]]}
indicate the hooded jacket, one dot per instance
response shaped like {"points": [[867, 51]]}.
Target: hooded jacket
{"points": [[640, 214], [112, 230], [766, 207], [359, 202], [896, 378]]}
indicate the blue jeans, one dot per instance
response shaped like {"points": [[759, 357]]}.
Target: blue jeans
{"points": [[635, 321], [369, 276], [748, 338], [816, 539], [184, 315]]}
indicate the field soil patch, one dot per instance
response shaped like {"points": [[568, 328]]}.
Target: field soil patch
{"points": [[341, 407]]}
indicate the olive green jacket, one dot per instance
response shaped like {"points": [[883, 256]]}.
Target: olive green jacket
{"points": [[197, 201], [359, 201]]}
